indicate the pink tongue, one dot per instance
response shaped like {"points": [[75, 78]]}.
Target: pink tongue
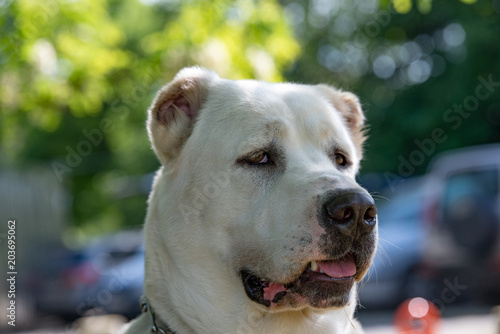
{"points": [[339, 268]]}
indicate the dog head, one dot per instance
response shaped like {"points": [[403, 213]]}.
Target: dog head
{"points": [[258, 192]]}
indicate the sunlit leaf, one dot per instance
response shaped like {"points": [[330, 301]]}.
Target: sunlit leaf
{"points": [[424, 6], [402, 6]]}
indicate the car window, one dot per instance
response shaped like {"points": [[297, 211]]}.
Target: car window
{"points": [[473, 184], [469, 210], [467, 196]]}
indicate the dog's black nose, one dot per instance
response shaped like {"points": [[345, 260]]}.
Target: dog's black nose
{"points": [[350, 210]]}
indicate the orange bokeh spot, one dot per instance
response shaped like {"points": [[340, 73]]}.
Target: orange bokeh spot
{"points": [[417, 316]]}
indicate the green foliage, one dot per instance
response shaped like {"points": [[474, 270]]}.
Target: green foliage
{"points": [[78, 76]]}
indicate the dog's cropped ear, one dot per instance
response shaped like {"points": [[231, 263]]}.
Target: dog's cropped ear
{"points": [[175, 109], [348, 105]]}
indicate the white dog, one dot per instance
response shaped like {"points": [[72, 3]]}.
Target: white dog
{"points": [[255, 221]]}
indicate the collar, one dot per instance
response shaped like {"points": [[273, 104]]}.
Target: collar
{"points": [[146, 308]]}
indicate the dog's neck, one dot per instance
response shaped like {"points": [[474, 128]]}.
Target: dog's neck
{"points": [[296, 322], [156, 326]]}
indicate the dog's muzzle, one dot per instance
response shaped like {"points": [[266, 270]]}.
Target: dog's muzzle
{"points": [[350, 212], [349, 218]]}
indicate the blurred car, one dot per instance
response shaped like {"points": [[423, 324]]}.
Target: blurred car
{"points": [[401, 233], [52, 281], [463, 214], [105, 277]]}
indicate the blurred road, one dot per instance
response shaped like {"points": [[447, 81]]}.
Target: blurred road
{"points": [[373, 322], [481, 324]]}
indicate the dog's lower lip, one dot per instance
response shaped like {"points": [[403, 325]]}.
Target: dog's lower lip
{"points": [[257, 288]]}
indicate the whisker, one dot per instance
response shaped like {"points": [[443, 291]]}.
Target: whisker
{"points": [[391, 244], [379, 196], [349, 318]]}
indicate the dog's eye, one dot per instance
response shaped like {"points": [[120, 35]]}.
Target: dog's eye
{"points": [[340, 159], [259, 158]]}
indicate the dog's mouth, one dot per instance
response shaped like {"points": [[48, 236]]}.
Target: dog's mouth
{"points": [[323, 284]]}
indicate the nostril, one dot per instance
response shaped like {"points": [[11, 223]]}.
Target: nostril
{"points": [[341, 216], [347, 213], [370, 215], [345, 216]]}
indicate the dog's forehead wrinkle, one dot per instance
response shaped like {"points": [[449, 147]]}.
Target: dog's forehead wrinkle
{"points": [[315, 115], [319, 139], [253, 96], [277, 127]]}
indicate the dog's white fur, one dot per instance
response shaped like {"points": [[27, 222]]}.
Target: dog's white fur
{"points": [[209, 215]]}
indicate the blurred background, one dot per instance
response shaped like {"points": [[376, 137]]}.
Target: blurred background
{"points": [[76, 78]]}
